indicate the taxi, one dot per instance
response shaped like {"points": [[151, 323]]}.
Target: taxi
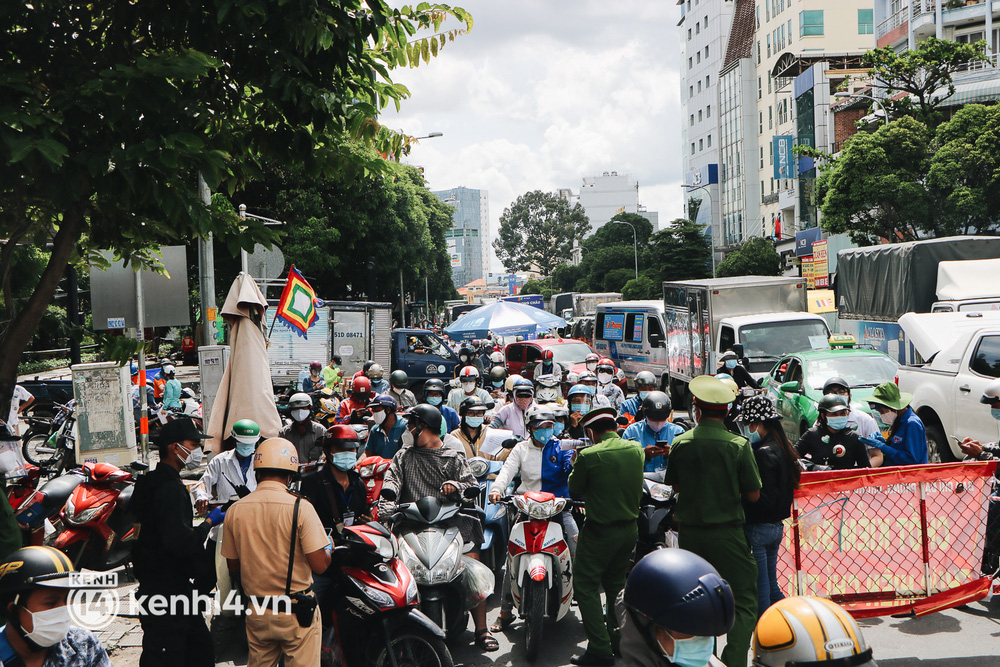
{"points": [[795, 384]]}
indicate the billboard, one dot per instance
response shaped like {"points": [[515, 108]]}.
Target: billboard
{"points": [[783, 156], [165, 296]]}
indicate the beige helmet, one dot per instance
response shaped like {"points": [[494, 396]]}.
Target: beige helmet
{"points": [[276, 454], [511, 379], [809, 631]]}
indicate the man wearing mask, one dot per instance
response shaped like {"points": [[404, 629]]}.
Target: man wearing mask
{"points": [[404, 397], [303, 432], [497, 385], [385, 439], [434, 395], [830, 442], [355, 408], [654, 430], [169, 554], [579, 399], [511, 416], [472, 432], [606, 383], [608, 476], [376, 375], [549, 366], [713, 471], [589, 380], [338, 494], [906, 443], [859, 421], [591, 361], [469, 379], [730, 364], [645, 382]]}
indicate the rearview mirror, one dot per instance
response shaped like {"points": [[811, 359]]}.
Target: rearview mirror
{"points": [[509, 443], [738, 350], [655, 340], [791, 387], [388, 494], [471, 492]]}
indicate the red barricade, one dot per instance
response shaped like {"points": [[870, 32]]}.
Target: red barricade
{"points": [[880, 541]]}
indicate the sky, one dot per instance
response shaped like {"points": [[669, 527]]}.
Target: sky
{"points": [[544, 92]]}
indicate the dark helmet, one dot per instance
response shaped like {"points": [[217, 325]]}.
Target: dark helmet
{"points": [[835, 381], [680, 591], [426, 414], [466, 351], [315, 365], [498, 374], [434, 384], [833, 403], [645, 379], [30, 567], [368, 364], [656, 405], [470, 403], [398, 379]]}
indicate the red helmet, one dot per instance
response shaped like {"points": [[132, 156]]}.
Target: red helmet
{"points": [[342, 435], [547, 355], [315, 365], [604, 361], [361, 387]]}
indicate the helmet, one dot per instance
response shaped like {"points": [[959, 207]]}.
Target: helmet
{"points": [[729, 382], [833, 403], [591, 360], [276, 454], [468, 373], [361, 387], [645, 379], [559, 411], [498, 374], [678, 590], [470, 403], [588, 376], [835, 381], [538, 414], [728, 354], [579, 389], [368, 364], [315, 365], [375, 372], [342, 435], [425, 414], [30, 567], [467, 352], [168, 369], [434, 384], [246, 431], [385, 401], [523, 384], [606, 361], [547, 356], [496, 358], [656, 405], [398, 379], [991, 393], [511, 381], [299, 400], [808, 631]]}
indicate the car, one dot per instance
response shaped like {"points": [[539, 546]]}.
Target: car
{"points": [[522, 357], [795, 384]]}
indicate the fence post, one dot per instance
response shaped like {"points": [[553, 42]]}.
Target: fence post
{"points": [[798, 553], [924, 539]]}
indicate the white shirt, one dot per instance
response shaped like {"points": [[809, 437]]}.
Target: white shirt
{"points": [[457, 395], [224, 473], [448, 441], [20, 395], [526, 459], [866, 426]]}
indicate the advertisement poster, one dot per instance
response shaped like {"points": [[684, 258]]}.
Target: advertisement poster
{"points": [[807, 272], [821, 269]]}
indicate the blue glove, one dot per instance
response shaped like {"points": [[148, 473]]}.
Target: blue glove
{"points": [[216, 516]]}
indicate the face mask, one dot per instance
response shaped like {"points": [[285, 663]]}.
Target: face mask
{"points": [[523, 402], [558, 428], [753, 437], [343, 460], [497, 384], [468, 387], [885, 419], [473, 422], [582, 408], [49, 627], [604, 378], [693, 652], [300, 415], [194, 457], [643, 394], [378, 417], [995, 413], [543, 435], [656, 426], [464, 357], [591, 365], [837, 423], [434, 400], [245, 449], [730, 363]]}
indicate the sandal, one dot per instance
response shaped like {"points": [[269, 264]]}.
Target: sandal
{"points": [[486, 642], [504, 621]]}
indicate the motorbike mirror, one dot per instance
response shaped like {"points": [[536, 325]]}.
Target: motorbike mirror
{"points": [[138, 466], [738, 350], [622, 421], [388, 494], [509, 443], [490, 405], [471, 492]]}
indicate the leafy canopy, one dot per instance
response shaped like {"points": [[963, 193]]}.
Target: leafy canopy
{"points": [[756, 257], [538, 231]]}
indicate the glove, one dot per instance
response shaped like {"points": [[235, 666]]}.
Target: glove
{"points": [[216, 516]]}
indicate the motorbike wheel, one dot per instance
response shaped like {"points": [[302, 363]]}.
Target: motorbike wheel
{"points": [[415, 647], [31, 442], [534, 618]]}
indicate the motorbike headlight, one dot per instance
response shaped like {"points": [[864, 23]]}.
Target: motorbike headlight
{"points": [[411, 592], [479, 466], [83, 517], [413, 564], [383, 600], [367, 471], [660, 492], [446, 569], [546, 510]]}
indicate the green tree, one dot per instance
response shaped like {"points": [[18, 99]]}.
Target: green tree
{"points": [[642, 287], [755, 257], [108, 111], [535, 286], [681, 252], [565, 277], [538, 231], [611, 234]]}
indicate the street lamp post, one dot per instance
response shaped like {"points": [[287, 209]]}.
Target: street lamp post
{"points": [[711, 224], [432, 135], [878, 103], [635, 244]]}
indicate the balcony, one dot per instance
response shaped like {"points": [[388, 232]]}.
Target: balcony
{"points": [[954, 11]]}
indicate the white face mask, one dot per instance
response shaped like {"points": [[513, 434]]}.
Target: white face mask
{"points": [[468, 387], [379, 416], [193, 458], [604, 378], [49, 627], [300, 415]]}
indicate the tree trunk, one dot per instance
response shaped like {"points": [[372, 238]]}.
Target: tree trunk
{"points": [[23, 326]]}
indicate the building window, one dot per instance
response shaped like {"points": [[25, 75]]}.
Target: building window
{"points": [[690, 63], [770, 153], [760, 124], [706, 23], [760, 92], [758, 51], [708, 111], [699, 85], [689, 34], [761, 157], [706, 53], [699, 115], [810, 22], [708, 80], [692, 119], [690, 91], [758, 17], [769, 81], [697, 28], [770, 118], [768, 46], [692, 148], [701, 144], [866, 22], [710, 141], [697, 57], [789, 31]]}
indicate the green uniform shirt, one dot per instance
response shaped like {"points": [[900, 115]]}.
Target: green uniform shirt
{"points": [[609, 477], [710, 468]]}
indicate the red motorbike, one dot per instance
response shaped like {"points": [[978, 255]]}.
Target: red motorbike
{"points": [[372, 470], [33, 505], [99, 530]]}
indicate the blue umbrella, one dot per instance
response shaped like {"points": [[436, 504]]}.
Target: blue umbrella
{"points": [[504, 318]]}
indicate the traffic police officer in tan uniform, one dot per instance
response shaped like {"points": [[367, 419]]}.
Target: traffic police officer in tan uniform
{"points": [[269, 559]]}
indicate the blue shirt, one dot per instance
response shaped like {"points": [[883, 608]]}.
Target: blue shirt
{"points": [[630, 406], [172, 394], [451, 418], [556, 466], [908, 446], [641, 433], [385, 444]]}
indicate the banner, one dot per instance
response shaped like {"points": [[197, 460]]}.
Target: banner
{"points": [[782, 147], [880, 541], [298, 303], [807, 272], [821, 269]]}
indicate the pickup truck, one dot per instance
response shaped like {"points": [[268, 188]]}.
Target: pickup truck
{"points": [[963, 356]]}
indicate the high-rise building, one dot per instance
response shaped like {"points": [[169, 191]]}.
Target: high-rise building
{"points": [[469, 237], [610, 193]]}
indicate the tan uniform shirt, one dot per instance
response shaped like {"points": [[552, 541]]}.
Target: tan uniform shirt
{"points": [[258, 531]]}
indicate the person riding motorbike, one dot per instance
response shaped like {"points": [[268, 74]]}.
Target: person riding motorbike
{"points": [[303, 432], [404, 397], [591, 361], [654, 430], [809, 631], [434, 393], [631, 408], [171, 388], [469, 380], [511, 416], [606, 383], [547, 389], [385, 439], [673, 607], [549, 366], [495, 385], [354, 409], [830, 442], [467, 357], [375, 374], [579, 399], [561, 414], [472, 432], [730, 364], [313, 380], [861, 422], [589, 380]]}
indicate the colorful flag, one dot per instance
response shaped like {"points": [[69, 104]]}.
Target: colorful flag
{"points": [[297, 307]]}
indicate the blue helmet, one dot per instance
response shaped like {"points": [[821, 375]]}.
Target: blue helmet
{"points": [[523, 384], [578, 389]]}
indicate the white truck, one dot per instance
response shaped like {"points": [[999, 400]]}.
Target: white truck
{"points": [[962, 350], [761, 318]]}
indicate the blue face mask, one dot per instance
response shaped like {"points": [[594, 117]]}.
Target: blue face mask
{"points": [[995, 412], [473, 422], [543, 435], [498, 384], [557, 428], [693, 652], [244, 449], [753, 437], [344, 460], [730, 363], [837, 423], [579, 407], [643, 394], [434, 400]]}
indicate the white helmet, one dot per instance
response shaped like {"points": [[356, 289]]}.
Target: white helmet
{"points": [[809, 631], [468, 373], [538, 414], [991, 393]]}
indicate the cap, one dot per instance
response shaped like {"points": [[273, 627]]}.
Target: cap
{"points": [[179, 430], [599, 414], [712, 390], [728, 354], [385, 401]]}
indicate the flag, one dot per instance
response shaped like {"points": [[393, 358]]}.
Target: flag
{"points": [[297, 307]]}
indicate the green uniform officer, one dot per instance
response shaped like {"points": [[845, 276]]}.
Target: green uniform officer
{"points": [[712, 470], [608, 476]]}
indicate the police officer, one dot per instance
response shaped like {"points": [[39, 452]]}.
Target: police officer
{"points": [[268, 534], [673, 607], [608, 476], [169, 556], [712, 471]]}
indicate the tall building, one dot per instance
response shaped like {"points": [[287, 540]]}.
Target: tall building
{"points": [[469, 237], [605, 195]]}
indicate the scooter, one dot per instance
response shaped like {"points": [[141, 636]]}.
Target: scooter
{"points": [[539, 563], [656, 514], [495, 532], [433, 554], [99, 528], [372, 470], [374, 612], [54, 452], [33, 506]]}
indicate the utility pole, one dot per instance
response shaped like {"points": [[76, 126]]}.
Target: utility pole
{"points": [[206, 273], [73, 310], [140, 334]]}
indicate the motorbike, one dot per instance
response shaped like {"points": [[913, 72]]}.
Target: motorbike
{"points": [[99, 530], [656, 514], [433, 552], [372, 470], [374, 615], [538, 559], [51, 444], [33, 506], [325, 406], [495, 533]]}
